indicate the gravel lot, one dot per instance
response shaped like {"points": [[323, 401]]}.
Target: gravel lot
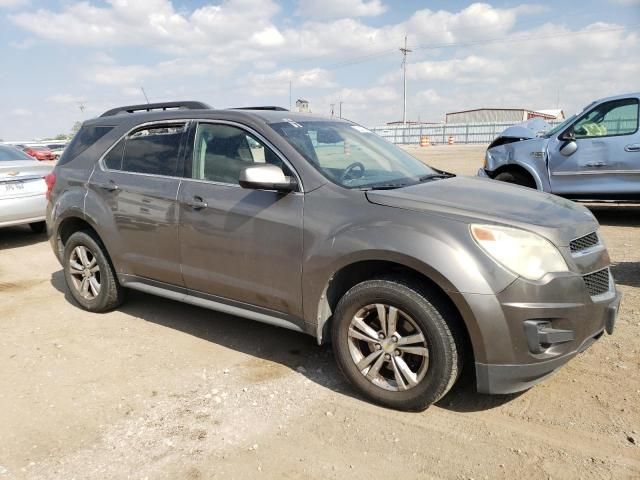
{"points": [[159, 389]]}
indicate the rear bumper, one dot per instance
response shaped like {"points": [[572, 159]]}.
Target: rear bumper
{"points": [[22, 210], [511, 378]]}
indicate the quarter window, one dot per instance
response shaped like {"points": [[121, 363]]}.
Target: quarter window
{"points": [[152, 150], [222, 151], [618, 117]]}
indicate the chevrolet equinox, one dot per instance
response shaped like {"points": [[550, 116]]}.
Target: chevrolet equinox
{"points": [[319, 225]]}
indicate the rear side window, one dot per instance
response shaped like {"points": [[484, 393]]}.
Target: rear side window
{"points": [[152, 150], [85, 137]]}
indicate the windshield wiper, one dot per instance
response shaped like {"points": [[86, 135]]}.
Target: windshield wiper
{"points": [[385, 186], [436, 176]]}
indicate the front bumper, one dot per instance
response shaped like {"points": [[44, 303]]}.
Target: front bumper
{"points": [[518, 343], [482, 173]]}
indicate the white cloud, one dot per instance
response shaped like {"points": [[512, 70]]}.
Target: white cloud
{"points": [[259, 84], [21, 112], [626, 2], [66, 99], [340, 8], [13, 3]]}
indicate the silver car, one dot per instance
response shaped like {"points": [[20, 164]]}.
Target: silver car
{"points": [[22, 189], [593, 155]]}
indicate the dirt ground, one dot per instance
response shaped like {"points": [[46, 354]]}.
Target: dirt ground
{"points": [[163, 390]]}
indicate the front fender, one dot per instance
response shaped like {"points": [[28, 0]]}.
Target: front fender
{"points": [[531, 155]]}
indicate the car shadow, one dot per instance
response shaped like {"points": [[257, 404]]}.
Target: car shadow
{"points": [[626, 273], [616, 215], [296, 351], [19, 236]]}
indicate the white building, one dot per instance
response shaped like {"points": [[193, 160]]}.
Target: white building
{"points": [[302, 106], [496, 115]]}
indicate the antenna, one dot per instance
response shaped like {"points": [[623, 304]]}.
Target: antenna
{"points": [[144, 93], [404, 51]]}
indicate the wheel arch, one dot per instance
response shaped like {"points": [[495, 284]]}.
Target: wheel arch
{"points": [[424, 276], [523, 169]]}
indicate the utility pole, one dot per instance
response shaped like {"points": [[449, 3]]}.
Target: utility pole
{"points": [[331, 105], [340, 104], [145, 94], [404, 51]]}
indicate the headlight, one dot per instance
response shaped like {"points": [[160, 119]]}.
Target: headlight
{"points": [[524, 253]]}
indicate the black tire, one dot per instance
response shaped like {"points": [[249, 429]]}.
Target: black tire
{"points": [[110, 294], [517, 178], [429, 314], [38, 227]]}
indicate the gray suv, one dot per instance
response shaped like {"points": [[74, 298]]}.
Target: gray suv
{"points": [[593, 155], [321, 226]]}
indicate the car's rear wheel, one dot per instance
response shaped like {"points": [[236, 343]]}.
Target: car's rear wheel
{"points": [[517, 178], [38, 227], [394, 345], [89, 274]]}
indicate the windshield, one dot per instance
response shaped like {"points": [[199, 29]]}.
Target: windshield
{"points": [[8, 153], [353, 156], [561, 126]]}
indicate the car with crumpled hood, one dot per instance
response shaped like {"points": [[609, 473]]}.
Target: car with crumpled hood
{"points": [[593, 155]]}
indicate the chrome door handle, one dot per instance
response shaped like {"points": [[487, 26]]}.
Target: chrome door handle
{"points": [[634, 147], [596, 164], [197, 203], [109, 186]]}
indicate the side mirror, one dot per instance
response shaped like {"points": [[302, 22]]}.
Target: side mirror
{"points": [[568, 136], [266, 177], [568, 148]]}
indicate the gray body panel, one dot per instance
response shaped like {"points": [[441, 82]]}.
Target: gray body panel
{"points": [[273, 256], [601, 168]]}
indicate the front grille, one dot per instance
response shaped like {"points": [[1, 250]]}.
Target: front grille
{"points": [[583, 243], [598, 282]]}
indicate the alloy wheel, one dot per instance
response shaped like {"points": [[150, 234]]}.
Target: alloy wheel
{"points": [[85, 272], [388, 347]]}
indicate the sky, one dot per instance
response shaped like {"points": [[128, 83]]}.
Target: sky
{"points": [[63, 61]]}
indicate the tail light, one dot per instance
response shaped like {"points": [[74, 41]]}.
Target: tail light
{"points": [[50, 181]]}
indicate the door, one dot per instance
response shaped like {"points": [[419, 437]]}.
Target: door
{"points": [[138, 182], [238, 244], [606, 163]]}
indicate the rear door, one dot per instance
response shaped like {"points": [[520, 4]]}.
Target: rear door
{"points": [[236, 244], [606, 163], [138, 182]]}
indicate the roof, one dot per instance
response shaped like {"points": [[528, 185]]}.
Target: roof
{"points": [[139, 114], [554, 111]]}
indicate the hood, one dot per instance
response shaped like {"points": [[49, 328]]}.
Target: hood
{"points": [[522, 131], [476, 200]]}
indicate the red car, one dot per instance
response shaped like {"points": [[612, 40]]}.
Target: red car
{"points": [[39, 153]]}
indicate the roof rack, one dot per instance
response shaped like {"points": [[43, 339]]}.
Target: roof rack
{"points": [[148, 107], [265, 107]]}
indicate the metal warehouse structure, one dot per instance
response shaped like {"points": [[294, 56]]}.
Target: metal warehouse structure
{"points": [[496, 115]]}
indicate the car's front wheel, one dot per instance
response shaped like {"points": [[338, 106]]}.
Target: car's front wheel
{"points": [[394, 344], [89, 274], [517, 178]]}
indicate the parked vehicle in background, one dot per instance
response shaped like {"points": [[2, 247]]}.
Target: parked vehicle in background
{"points": [[56, 148], [321, 226], [39, 152], [22, 189], [593, 155]]}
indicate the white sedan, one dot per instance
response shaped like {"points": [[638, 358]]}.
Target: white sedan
{"points": [[23, 189]]}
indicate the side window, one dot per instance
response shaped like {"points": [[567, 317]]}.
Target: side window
{"points": [[221, 152], [153, 150], [618, 117], [86, 136], [113, 159]]}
